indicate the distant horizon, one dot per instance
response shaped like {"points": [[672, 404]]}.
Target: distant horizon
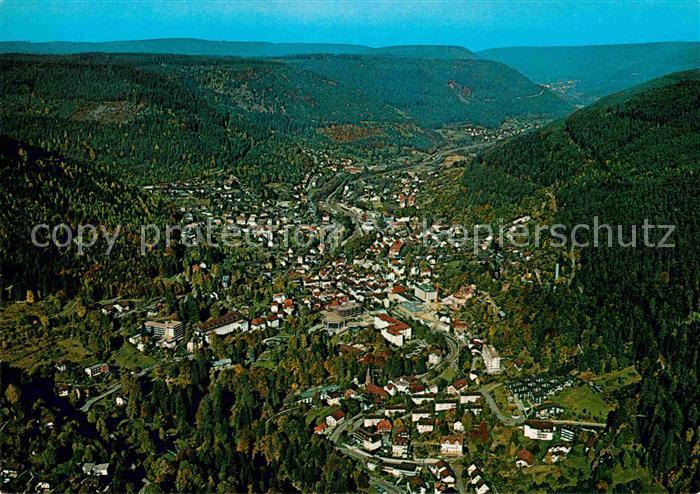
{"points": [[340, 43], [476, 25]]}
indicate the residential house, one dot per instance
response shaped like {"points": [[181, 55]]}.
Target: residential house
{"points": [[425, 426], [422, 398], [257, 323], [370, 442], [416, 415], [434, 358], [97, 369], [451, 446], [458, 387], [525, 459], [557, 453], [443, 405], [98, 470], [395, 249], [401, 469], [399, 446], [393, 410], [384, 426], [371, 421], [469, 398], [416, 485], [335, 418]]}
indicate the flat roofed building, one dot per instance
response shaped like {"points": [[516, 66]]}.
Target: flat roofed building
{"points": [[425, 292], [492, 361], [168, 330], [223, 325], [337, 318]]}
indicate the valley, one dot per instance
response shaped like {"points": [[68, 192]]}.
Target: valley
{"points": [[315, 283]]}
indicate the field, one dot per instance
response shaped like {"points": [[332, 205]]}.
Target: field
{"points": [[500, 397], [582, 403], [28, 342], [128, 357], [618, 379]]}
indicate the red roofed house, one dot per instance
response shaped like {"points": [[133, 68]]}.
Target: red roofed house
{"points": [[525, 459], [377, 391], [288, 306], [335, 418], [384, 426], [393, 330], [257, 323], [456, 387], [395, 249], [321, 428], [398, 293]]}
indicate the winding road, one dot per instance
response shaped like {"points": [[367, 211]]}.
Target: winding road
{"points": [[116, 387]]}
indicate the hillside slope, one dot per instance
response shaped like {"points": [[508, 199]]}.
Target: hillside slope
{"points": [[596, 71], [152, 118], [631, 158], [436, 92], [132, 123], [38, 187]]}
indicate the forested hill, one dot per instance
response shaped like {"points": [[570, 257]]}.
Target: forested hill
{"points": [[154, 118], [585, 73], [38, 187], [151, 118], [131, 122], [190, 46], [435, 92], [630, 157]]}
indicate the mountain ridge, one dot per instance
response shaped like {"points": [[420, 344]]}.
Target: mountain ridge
{"points": [[629, 160], [583, 74]]}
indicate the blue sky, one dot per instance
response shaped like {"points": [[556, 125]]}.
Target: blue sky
{"points": [[475, 24]]}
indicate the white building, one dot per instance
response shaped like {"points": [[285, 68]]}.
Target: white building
{"points": [[335, 418], [393, 330], [540, 431], [425, 292], [451, 446], [399, 447], [425, 425], [492, 361], [418, 415], [470, 398], [441, 406], [223, 325], [166, 330]]}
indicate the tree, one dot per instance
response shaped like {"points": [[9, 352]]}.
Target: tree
{"points": [[13, 394]]}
